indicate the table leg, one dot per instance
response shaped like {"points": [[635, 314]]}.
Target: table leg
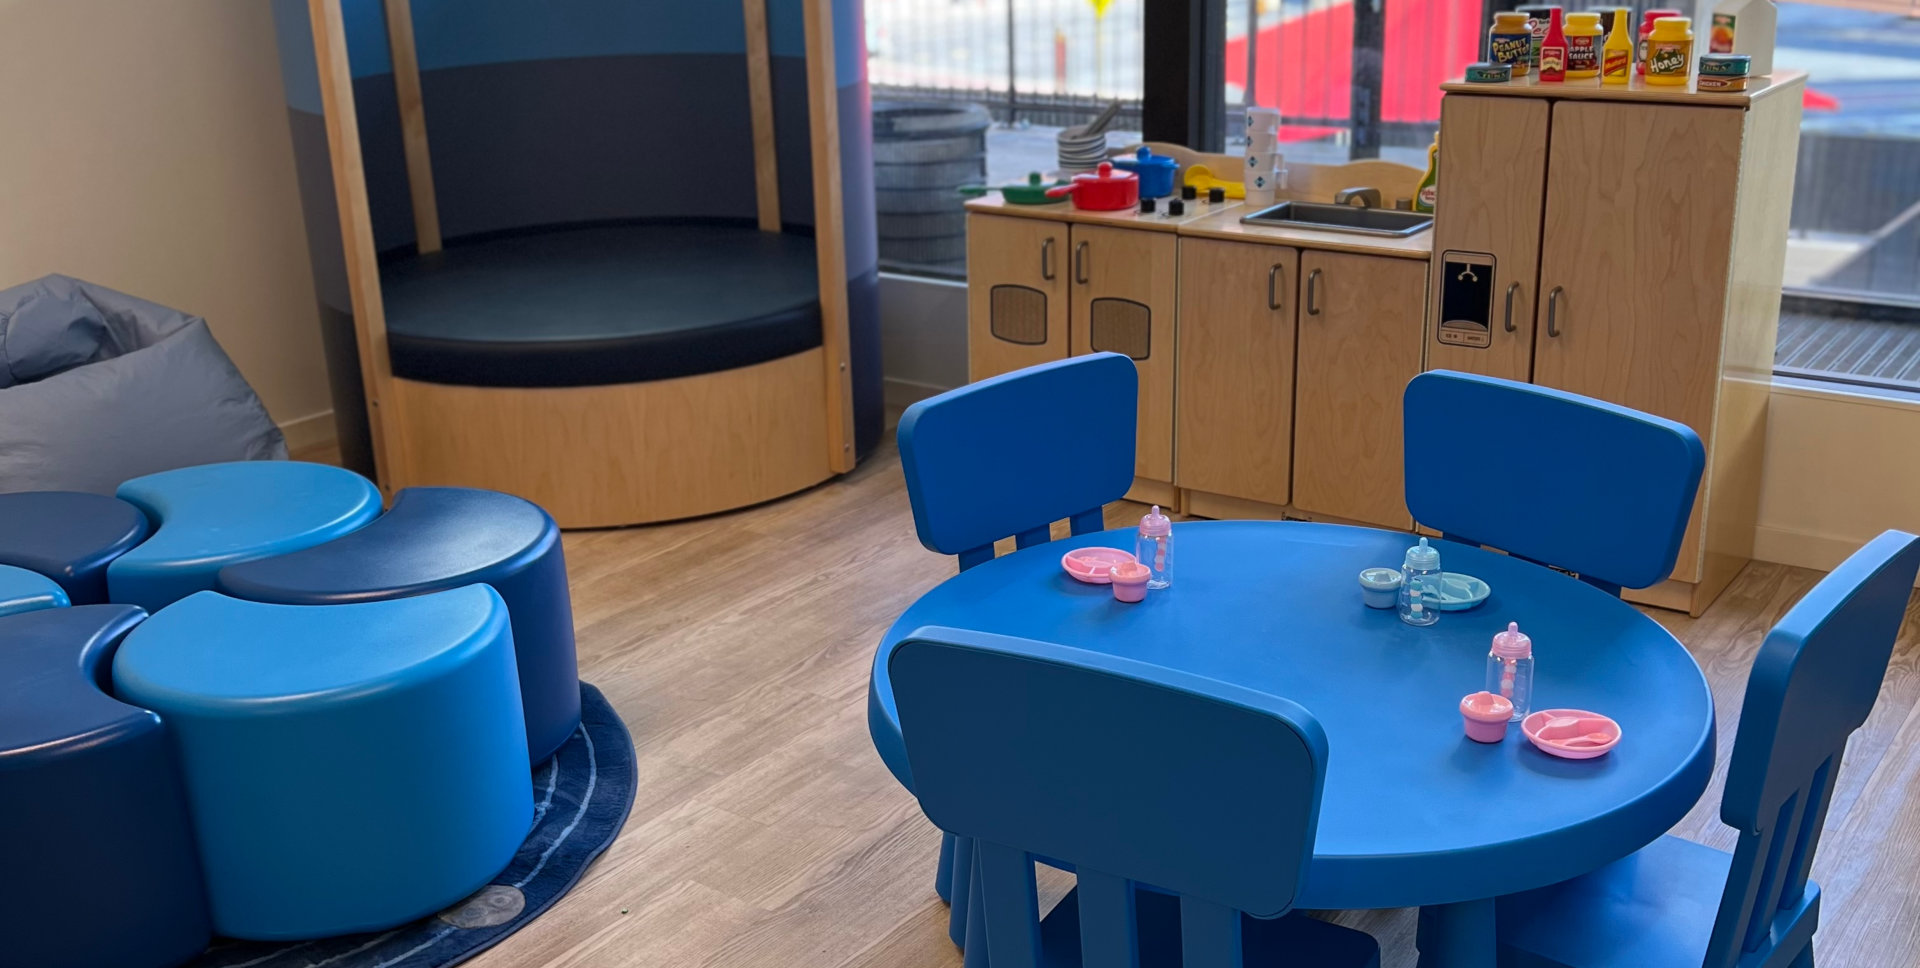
{"points": [[1457, 935]]}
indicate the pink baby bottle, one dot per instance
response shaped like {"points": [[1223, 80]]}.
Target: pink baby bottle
{"points": [[1154, 547], [1510, 669]]}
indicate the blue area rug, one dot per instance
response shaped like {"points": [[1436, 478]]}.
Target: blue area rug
{"points": [[581, 797]]}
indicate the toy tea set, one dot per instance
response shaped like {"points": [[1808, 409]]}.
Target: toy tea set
{"points": [[1420, 591]]}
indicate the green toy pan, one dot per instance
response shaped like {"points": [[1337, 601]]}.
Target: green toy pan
{"points": [[1034, 192]]}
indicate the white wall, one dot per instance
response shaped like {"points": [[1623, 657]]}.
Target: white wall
{"points": [[923, 336], [146, 149]]}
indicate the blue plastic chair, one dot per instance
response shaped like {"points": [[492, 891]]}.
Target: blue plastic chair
{"points": [[1043, 752], [1677, 903], [434, 539], [70, 537], [1007, 457], [1553, 477], [1010, 455]]}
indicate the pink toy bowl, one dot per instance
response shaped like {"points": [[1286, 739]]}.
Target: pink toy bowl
{"points": [[1573, 734], [1130, 580], [1486, 716], [1094, 565]]}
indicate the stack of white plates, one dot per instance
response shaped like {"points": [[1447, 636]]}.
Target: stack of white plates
{"points": [[1085, 147]]}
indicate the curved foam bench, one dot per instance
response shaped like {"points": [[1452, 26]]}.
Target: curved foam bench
{"points": [[93, 824], [436, 538], [213, 515], [24, 591], [69, 536], [348, 767]]}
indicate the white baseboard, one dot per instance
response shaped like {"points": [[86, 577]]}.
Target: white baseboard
{"points": [[308, 432]]}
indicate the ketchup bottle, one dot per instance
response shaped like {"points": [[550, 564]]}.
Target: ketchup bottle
{"points": [[1553, 49]]}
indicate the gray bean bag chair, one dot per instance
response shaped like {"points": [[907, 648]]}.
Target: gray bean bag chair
{"points": [[97, 387]]}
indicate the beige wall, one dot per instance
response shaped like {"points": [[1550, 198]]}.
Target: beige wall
{"points": [[144, 146], [1841, 468]]}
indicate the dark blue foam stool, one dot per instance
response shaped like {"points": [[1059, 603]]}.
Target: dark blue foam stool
{"points": [[69, 536], [99, 852], [434, 539]]}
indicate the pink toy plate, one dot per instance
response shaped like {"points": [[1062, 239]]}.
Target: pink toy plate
{"points": [[1573, 734], [1093, 565]]}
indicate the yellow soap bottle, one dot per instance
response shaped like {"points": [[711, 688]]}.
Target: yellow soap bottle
{"points": [[1616, 59]]}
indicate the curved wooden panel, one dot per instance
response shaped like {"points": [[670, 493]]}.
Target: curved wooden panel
{"points": [[629, 453]]}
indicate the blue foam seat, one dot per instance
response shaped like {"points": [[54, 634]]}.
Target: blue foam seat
{"points": [[23, 591], [436, 538], [98, 849], [348, 767], [68, 536], [212, 515]]}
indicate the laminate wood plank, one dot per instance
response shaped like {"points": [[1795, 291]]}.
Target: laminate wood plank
{"points": [[829, 230], [768, 833], [413, 125]]}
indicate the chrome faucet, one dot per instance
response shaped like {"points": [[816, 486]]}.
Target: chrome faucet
{"points": [[1369, 197]]}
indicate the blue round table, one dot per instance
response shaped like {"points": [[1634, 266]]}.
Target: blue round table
{"points": [[1413, 813]]}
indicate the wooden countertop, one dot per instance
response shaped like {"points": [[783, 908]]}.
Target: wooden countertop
{"points": [[1209, 221], [1636, 89]]}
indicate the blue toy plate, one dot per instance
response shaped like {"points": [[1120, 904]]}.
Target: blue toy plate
{"points": [[1460, 592]]}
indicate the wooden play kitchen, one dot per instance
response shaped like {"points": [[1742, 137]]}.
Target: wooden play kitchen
{"points": [[1626, 242]]}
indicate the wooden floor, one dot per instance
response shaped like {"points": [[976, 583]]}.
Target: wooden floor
{"points": [[767, 832]]}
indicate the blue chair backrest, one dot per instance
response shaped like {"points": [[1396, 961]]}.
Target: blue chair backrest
{"points": [[1813, 683], [1010, 455], [1131, 773], [1550, 476]]}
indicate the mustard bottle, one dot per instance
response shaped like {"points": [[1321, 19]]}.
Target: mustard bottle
{"points": [[1583, 44], [1427, 195], [1670, 52], [1616, 59]]}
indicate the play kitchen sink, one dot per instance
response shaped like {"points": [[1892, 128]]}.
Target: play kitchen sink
{"points": [[1342, 218]]}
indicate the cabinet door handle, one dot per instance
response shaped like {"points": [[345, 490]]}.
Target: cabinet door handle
{"points": [[1273, 300], [1080, 263], [1553, 312], [1313, 293], [1510, 291], [1046, 259]]}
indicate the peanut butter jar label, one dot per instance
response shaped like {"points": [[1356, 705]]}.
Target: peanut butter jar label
{"points": [[1510, 48]]}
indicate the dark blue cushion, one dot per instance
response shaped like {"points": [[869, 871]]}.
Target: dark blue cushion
{"points": [[93, 823], [434, 539], [68, 536]]}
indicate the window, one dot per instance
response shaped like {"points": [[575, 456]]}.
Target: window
{"points": [[1360, 80], [974, 92]]}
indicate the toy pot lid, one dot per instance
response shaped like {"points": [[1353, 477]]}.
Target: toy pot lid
{"points": [[1143, 158]]}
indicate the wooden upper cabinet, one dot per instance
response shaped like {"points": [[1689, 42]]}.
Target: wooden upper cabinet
{"points": [[1235, 392], [1016, 293], [1361, 326], [1123, 283], [1635, 255], [1493, 174]]}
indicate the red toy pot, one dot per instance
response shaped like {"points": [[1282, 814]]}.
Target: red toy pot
{"points": [[1103, 190]]}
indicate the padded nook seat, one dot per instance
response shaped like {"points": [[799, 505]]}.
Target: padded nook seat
{"points": [[601, 305], [434, 539], [93, 825], [348, 768], [24, 591]]}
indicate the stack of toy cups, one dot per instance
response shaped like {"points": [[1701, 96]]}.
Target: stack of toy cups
{"points": [[1263, 156]]}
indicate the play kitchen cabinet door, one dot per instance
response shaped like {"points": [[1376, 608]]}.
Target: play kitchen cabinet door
{"points": [[1016, 294], [1361, 325], [1123, 302], [1234, 396], [1486, 242], [1635, 260]]}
